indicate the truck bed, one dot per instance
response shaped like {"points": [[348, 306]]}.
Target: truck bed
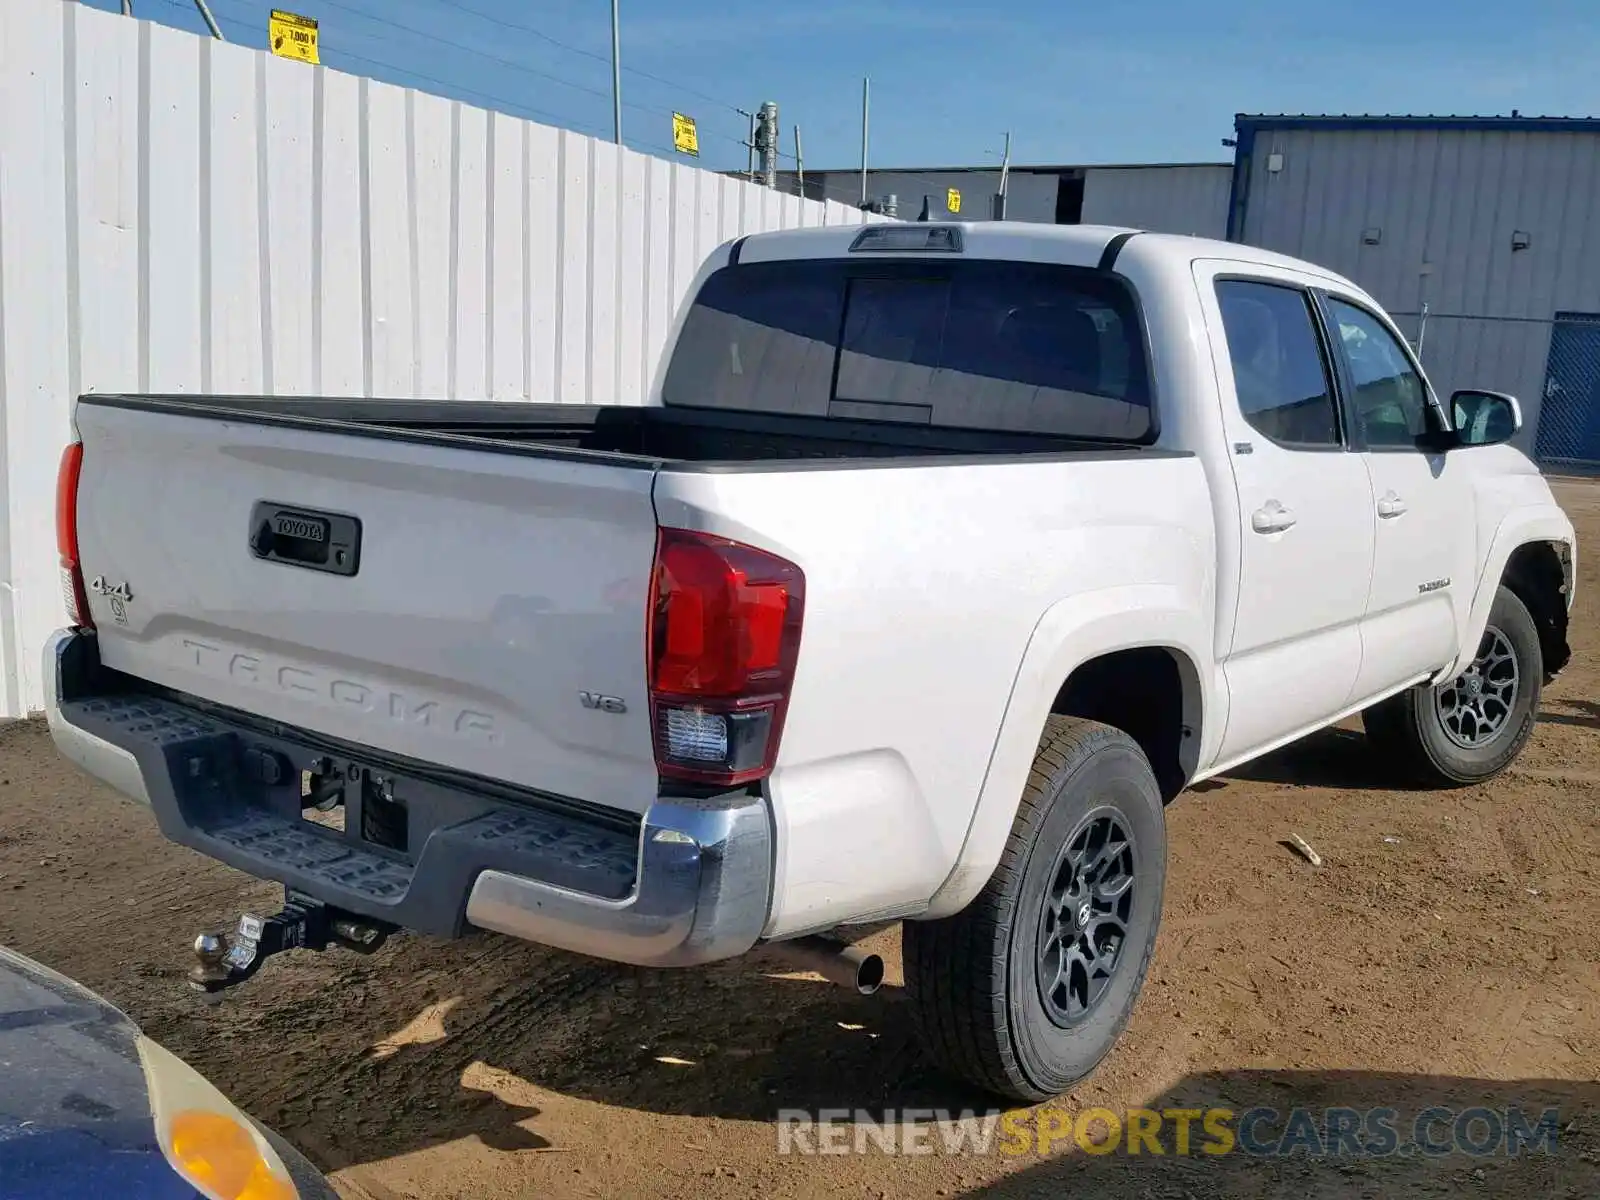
{"points": [[445, 582], [717, 439]]}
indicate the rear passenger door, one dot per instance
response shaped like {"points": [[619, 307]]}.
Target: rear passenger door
{"points": [[1304, 507], [1422, 502]]}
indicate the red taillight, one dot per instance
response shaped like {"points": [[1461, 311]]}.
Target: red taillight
{"points": [[723, 638], [73, 592]]}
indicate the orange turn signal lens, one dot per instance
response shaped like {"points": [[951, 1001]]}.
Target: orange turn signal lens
{"points": [[220, 1157]]}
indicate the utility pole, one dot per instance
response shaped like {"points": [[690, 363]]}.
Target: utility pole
{"points": [[1005, 174], [616, 75], [866, 84], [750, 145], [767, 136], [211, 22], [799, 163]]}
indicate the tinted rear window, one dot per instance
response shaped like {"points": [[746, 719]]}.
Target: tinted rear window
{"points": [[974, 344]]}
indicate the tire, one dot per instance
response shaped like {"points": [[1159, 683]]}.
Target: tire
{"points": [[1417, 732], [974, 979]]}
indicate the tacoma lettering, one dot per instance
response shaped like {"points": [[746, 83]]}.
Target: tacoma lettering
{"points": [[350, 694]]}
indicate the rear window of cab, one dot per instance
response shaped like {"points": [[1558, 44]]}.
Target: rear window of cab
{"points": [[971, 344]]}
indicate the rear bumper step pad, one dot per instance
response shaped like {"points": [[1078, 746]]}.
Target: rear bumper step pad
{"points": [[204, 798], [689, 883]]}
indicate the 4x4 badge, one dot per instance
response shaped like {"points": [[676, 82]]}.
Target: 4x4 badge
{"points": [[117, 591]]}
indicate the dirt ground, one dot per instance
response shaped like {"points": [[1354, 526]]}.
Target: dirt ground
{"points": [[1447, 953]]}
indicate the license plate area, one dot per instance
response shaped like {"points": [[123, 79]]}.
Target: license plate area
{"points": [[357, 802]]}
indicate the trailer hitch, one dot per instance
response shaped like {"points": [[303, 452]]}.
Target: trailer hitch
{"points": [[224, 960]]}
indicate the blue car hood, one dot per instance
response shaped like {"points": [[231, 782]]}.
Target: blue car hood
{"points": [[75, 1114]]}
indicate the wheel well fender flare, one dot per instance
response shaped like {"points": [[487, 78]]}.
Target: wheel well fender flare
{"points": [[1518, 528], [1069, 633]]}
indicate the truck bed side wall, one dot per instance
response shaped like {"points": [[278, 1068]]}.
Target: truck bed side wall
{"points": [[924, 587]]}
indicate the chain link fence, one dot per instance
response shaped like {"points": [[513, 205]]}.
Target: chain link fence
{"points": [[1569, 418]]}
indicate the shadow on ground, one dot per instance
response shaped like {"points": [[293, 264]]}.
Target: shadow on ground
{"points": [[1582, 713], [1332, 758], [1427, 1109], [1344, 759], [487, 1033], [637, 1040], [361, 1059], [437, 1042]]}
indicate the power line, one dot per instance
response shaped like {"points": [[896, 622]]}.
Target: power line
{"points": [[450, 87], [512, 106], [504, 103], [542, 36], [507, 105], [506, 62], [826, 127], [512, 64], [389, 23]]}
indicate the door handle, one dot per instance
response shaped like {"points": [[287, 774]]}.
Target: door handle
{"points": [[1391, 506], [1271, 517]]}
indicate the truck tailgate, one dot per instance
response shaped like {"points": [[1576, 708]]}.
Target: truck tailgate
{"points": [[494, 620]]}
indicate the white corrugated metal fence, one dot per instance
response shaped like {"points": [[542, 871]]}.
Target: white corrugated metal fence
{"points": [[183, 215]]}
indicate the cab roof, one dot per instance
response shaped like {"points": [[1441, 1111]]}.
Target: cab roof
{"points": [[1074, 245]]}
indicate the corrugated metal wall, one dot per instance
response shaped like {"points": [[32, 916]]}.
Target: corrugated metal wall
{"points": [[183, 215], [1164, 199], [1444, 205]]}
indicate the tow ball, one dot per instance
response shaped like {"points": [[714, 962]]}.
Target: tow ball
{"points": [[224, 960]]}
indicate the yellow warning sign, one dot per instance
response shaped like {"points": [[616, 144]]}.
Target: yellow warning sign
{"points": [[685, 138], [952, 200], [292, 36]]}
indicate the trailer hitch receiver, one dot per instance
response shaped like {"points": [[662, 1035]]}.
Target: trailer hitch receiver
{"points": [[223, 960]]}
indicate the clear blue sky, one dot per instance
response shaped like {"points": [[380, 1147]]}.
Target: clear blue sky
{"points": [[1123, 81]]}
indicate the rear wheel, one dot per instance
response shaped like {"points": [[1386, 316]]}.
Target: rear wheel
{"points": [[1025, 990], [1472, 727]]}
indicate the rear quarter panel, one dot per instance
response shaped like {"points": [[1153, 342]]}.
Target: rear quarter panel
{"points": [[925, 586]]}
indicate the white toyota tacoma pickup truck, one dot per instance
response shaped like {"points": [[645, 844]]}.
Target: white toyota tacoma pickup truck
{"points": [[942, 558]]}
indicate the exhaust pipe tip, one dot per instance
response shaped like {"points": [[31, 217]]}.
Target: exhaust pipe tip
{"points": [[860, 971], [869, 974]]}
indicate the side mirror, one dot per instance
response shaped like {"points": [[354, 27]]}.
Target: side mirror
{"points": [[1484, 418]]}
